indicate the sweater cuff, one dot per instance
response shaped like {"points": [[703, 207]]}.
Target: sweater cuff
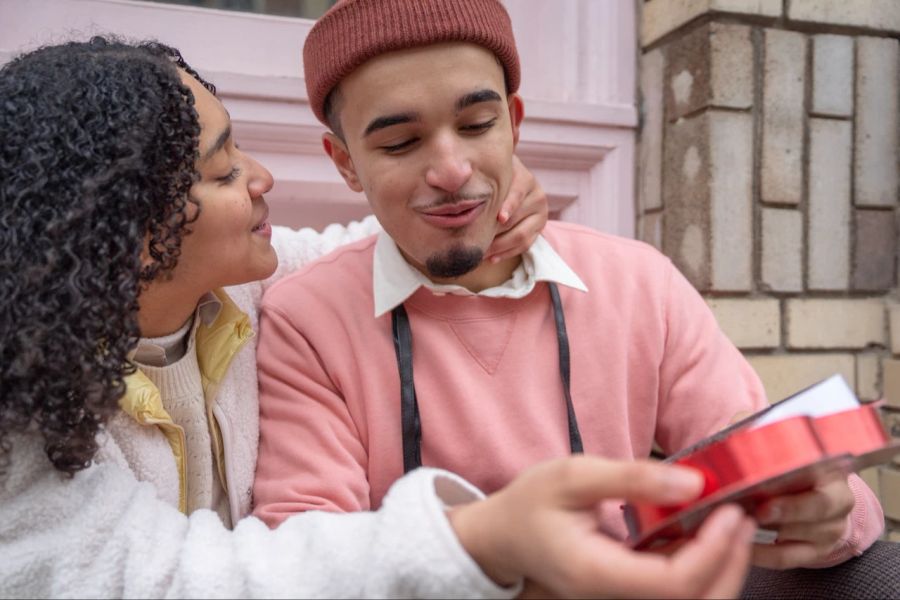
{"points": [[864, 525], [436, 491]]}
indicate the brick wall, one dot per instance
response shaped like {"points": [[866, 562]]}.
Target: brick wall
{"points": [[768, 172]]}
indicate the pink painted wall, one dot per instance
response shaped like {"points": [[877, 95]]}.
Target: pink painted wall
{"points": [[578, 60]]}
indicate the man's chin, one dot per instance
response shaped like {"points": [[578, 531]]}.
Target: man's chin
{"points": [[455, 262]]}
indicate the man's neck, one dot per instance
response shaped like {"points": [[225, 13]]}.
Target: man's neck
{"points": [[487, 275]]}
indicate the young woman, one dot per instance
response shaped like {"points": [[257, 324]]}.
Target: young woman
{"points": [[128, 415]]}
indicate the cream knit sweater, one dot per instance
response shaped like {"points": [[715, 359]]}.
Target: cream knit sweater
{"points": [[105, 533]]}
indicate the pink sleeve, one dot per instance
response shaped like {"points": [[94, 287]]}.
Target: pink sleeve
{"points": [[310, 453], [865, 525], [704, 379]]}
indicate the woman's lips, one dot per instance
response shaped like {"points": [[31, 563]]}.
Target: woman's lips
{"points": [[453, 216], [264, 229]]}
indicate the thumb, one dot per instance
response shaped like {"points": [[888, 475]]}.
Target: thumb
{"points": [[521, 184], [511, 204], [587, 480]]}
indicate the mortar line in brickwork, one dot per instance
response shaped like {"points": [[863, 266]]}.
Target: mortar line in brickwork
{"points": [[804, 205], [756, 39], [781, 22], [851, 239], [806, 27], [827, 117]]}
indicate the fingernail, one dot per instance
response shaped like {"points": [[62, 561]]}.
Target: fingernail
{"points": [[761, 535], [735, 518], [503, 216], [495, 260], [680, 483]]}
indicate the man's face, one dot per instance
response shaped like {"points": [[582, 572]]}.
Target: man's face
{"points": [[429, 135]]}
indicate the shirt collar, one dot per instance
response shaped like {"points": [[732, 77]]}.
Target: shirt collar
{"points": [[154, 351], [208, 308], [394, 280]]}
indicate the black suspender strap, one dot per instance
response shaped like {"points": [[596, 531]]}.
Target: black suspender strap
{"points": [[563, 339], [409, 407]]}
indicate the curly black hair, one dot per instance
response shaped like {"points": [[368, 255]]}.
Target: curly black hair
{"points": [[98, 142]]}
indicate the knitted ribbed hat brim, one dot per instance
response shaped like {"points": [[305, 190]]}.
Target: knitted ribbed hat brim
{"points": [[354, 31]]}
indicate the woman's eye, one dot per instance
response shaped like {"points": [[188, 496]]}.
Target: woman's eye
{"points": [[232, 175], [478, 127]]}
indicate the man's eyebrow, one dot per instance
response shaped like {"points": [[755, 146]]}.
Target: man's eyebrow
{"points": [[485, 95], [219, 143], [389, 120]]}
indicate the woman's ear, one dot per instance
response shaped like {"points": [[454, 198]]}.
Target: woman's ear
{"points": [[340, 156]]}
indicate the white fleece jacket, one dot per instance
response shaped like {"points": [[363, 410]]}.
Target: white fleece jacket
{"points": [[104, 533]]}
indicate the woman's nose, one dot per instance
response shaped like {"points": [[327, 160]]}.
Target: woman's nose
{"points": [[260, 181]]}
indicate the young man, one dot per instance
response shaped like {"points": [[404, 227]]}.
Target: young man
{"points": [[407, 350]]}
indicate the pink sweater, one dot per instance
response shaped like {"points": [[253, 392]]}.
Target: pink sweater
{"points": [[649, 362]]}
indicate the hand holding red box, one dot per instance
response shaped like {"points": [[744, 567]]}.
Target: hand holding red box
{"points": [[803, 442]]}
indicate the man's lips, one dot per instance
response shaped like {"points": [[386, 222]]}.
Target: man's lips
{"points": [[451, 216]]}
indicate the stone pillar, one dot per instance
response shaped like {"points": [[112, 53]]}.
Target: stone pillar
{"points": [[768, 172]]}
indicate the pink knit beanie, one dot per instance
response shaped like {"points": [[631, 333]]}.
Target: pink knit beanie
{"points": [[353, 31]]}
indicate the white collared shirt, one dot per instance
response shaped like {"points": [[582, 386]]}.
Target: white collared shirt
{"points": [[394, 280]]}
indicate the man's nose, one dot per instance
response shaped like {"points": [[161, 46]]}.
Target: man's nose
{"points": [[449, 168]]}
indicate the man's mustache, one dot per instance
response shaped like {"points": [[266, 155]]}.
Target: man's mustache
{"points": [[454, 198]]}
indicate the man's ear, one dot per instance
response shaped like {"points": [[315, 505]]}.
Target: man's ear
{"points": [[340, 156], [516, 114]]}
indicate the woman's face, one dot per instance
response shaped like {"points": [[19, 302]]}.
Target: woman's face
{"points": [[230, 240]]}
